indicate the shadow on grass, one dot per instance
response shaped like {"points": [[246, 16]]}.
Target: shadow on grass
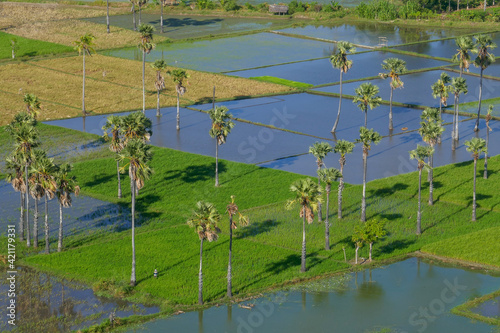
{"points": [[196, 173], [388, 191], [99, 179], [395, 245], [257, 228]]}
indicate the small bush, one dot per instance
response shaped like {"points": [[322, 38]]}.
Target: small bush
{"points": [[231, 5], [249, 6]]}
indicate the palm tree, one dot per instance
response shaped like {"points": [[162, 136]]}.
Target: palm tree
{"points": [[145, 45], [374, 230], [66, 185], [307, 194], [221, 127], [320, 150], [137, 155], [162, 4], [420, 154], [107, 16], [133, 11], [36, 188], [462, 57], [141, 3], [15, 165], [488, 130], [483, 60], [342, 147], [339, 60], [366, 137], [136, 126], [430, 131], [114, 125], [204, 221], [158, 66], [396, 67], [45, 170], [366, 98], [178, 76], [458, 86], [32, 104], [22, 130], [85, 45], [441, 89], [329, 176], [232, 210], [476, 146]]}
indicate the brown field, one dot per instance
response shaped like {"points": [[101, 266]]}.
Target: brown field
{"points": [[112, 85]]}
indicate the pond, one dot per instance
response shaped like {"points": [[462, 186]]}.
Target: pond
{"points": [[48, 304], [413, 295]]}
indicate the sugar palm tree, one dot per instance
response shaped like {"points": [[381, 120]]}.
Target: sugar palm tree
{"points": [[66, 185], [136, 155], [36, 189], [112, 130], [420, 154], [133, 11], [342, 147], [178, 75], [141, 3], [366, 97], [430, 131], [32, 104], [15, 167], [221, 127], [395, 68], [107, 16], [320, 150], [22, 130], [374, 230], [307, 194], [232, 210], [162, 4], [339, 60], [204, 220], [462, 57], [367, 137], [136, 126], [329, 176], [458, 86], [483, 43], [158, 66], [44, 169], [476, 146], [85, 45], [488, 130], [145, 45], [441, 90]]}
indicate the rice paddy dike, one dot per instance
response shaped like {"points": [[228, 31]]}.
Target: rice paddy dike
{"points": [[292, 75]]}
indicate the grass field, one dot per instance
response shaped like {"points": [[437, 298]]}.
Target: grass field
{"points": [[112, 85], [28, 47], [267, 252], [285, 82]]}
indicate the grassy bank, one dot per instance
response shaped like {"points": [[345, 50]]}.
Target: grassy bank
{"points": [[26, 47]]}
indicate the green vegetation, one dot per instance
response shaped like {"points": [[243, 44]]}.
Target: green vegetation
{"points": [[26, 47], [465, 309], [285, 82]]}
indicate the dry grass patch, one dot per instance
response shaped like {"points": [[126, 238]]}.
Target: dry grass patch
{"points": [[18, 13], [113, 85], [67, 31]]}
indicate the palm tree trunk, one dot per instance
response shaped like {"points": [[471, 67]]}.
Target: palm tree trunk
{"points": [[419, 213], [47, 247], [440, 116], [140, 13], [356, 260], [457, 136], [370, 254], [132, 185], [455, 125], [133, 11], [200, 276], [327, 224], [340, 104], [485, 175], [35, 224], [476, 128], [21, 219], [320, 213], [28, 241], [83, 89], [119, 180], [178, 113], [143, 81], [390, 110], [363, 200], [366, 117], [60, 238], [339, 198], [158, 103], [216, 163], [431, 180], [161, 16], [474, 191], [107, 15], [303, 256], [229, 265]]}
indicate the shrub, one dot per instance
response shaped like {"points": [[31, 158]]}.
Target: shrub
{"points": [[231, 5], [249, 6]]}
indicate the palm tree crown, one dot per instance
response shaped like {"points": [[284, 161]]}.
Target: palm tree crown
{"points": [[221, 123], [366, 97], [85, 45], [32, 104], [462, 57], [441, 88], [204, 220], [136, 126], [307, 194], [339, 59], [396, 67], [320, 150], [483, 43], [112, 133], [476, 146], [136, 155], [146, 43]]}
